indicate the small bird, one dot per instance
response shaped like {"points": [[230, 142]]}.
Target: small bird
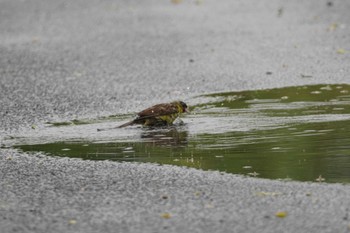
{"points": [[159, 115]]}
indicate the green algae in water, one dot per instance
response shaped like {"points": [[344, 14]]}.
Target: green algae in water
{"points": [[294, 133]]}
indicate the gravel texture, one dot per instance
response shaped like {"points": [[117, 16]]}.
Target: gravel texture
{"points": [[62, 60]]}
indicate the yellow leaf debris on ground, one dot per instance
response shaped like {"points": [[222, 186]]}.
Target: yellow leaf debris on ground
{"points": [[72, 221], [332, 27], [320, 179], [165, 215], [341, 51], [281, 214], [197, 193]]}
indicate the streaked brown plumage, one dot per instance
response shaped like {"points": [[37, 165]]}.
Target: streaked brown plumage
{"points": [[159, 115]]}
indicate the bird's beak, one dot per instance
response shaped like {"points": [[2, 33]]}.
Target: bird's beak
{"points": [[187, 110]]}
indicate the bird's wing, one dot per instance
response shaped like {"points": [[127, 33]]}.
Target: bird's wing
{"points": [[158, 110]]}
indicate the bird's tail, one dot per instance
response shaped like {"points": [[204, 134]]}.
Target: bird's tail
{"points": [[126, 124], [120, 126]]}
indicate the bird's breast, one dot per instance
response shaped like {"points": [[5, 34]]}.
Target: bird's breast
{"points": [[169, 118]]}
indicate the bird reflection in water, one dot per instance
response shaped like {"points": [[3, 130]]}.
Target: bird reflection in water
{"points": [[165, 137]]}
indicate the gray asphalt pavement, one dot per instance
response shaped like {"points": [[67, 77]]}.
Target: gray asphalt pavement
{"points": [[62, 60]]}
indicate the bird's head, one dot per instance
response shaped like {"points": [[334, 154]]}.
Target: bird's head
{"points": [[183, 106]]}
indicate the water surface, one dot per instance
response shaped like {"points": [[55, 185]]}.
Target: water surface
{"points": [[299, 133]]}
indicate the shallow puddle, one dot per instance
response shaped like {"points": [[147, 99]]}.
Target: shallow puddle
{"points": [[299, 133]]}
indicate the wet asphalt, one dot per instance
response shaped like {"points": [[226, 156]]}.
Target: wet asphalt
{"points": [[64, 60]]}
